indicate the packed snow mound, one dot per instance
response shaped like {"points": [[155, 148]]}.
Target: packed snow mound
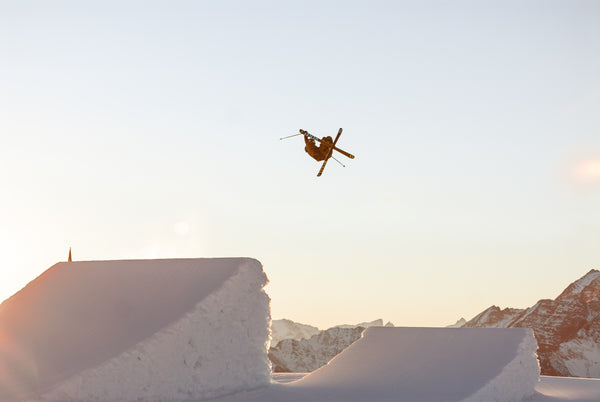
{"points": [[431, 364], [136, 330]]}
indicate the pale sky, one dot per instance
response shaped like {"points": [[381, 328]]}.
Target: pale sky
{"points": [[145, 129]]}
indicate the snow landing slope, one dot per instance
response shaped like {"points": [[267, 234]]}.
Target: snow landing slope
{"points": [[136, 330], [419, 364], [465, 364]]}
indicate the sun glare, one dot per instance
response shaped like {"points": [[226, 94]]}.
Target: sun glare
{"points": [[588, 171], [8, 267]]}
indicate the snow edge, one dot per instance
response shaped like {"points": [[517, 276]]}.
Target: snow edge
{"points": [[518, 379], [217, 348]]}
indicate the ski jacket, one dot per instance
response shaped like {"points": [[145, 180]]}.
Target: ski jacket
{"points": [[320, 152]]}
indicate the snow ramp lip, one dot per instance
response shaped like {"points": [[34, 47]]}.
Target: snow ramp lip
{"points": [[431, 364], [77, 315]]}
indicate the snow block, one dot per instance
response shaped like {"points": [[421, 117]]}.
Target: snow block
{"points": [[169, 330], [431, 364]]}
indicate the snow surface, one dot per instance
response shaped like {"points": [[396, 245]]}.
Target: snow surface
{"points": [[145, 330], [419, 364], [549, 389], [198, 329], [561, 389], [404, 361]]}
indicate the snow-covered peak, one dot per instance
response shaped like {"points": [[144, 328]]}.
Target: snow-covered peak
{"points": [[494, 317], [288, 329], [461, 321], [367, 324], [574, 289]]}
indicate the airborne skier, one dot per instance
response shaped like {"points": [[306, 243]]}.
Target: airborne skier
{"points": [[325, 149], [318, 153]]}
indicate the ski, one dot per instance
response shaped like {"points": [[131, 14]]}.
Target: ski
{"points": [[322, 168]]}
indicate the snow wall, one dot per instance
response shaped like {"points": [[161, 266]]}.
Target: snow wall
{"points": [[431, 364], [169, 330]]}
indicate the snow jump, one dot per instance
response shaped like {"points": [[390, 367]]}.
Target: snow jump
{"points": [[324, 150]]}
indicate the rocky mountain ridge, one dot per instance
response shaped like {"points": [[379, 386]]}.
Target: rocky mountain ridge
{"points": [[303, 354], [567, 328]]}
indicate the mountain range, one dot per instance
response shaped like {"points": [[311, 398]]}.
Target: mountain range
{"points": [[567, 330]]}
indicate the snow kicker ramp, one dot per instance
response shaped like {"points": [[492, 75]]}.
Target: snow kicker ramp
{"points": [[430, 364], [136, 330]]}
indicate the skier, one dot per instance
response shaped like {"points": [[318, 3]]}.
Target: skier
{"points": [[324, 151], [319, 153]]}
